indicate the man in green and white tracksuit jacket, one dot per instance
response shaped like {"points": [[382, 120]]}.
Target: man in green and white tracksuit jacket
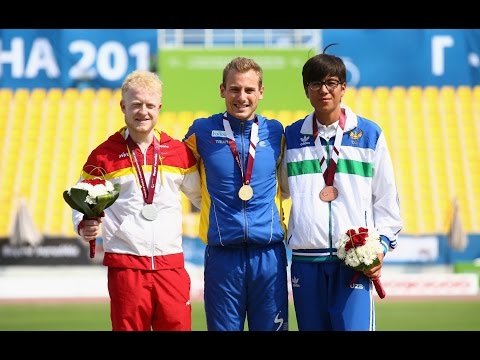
{"points": [[367, 197]]}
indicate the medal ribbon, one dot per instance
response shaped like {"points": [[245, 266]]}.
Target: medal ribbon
{"points": [[251, 150], [149, 191], [329, 172]]}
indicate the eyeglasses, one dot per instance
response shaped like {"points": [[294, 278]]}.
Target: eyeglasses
{"points": [[331, 84]]}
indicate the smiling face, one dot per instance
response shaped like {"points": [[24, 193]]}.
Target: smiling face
{"points": [[241, 91], [141, 102], [324, 80], [141, 107], [326, 99]]}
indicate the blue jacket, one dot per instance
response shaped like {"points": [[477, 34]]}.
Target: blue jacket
{"points": [[225, 219]]}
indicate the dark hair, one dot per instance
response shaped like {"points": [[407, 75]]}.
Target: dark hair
{"points": [[242, 64], [322, 65]]}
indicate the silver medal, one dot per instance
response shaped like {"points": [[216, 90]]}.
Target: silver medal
{"points": [[150, 212]]}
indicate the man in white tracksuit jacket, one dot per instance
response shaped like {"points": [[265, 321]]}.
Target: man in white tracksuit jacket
{"points": [[360, 191]]}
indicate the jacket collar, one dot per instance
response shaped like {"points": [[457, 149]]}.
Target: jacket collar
{"points": [[351, 121]]}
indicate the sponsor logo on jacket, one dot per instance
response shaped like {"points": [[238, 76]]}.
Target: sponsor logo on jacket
{"points": [[219, 133], [304, 140]]}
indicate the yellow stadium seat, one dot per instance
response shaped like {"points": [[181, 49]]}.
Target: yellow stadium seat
{"points": [[365, 92], [431, 93], [117, 95], [54, 94], [380, 101], [364, 104], [285, 117], [21, 95], [6, 95], [414, 92], [185, 116], [87, 94], [300, 114], [464, 93], [201, 114], [190, 224], [38, 94], [71, 94], [104, 94], [381, 93], [349, 98], [184, 120], [448, 91], [269, 114]]}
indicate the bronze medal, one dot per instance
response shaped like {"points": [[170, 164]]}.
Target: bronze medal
{"points": [[328, 193], [245, 193]]}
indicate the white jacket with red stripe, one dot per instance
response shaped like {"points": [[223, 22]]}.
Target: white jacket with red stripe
{"points": [[129, 240]]}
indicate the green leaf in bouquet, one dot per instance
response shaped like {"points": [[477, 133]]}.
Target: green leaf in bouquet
{"points": [[70, 202], [78, 197], [115, 194], [360, 267], [376, 262], [103, 202]]}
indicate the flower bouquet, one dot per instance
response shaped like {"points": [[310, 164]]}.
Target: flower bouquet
{"points": [[91, 197], [358, 248]]}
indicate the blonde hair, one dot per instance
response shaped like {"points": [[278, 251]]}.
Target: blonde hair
{"points": [[143, 79]]}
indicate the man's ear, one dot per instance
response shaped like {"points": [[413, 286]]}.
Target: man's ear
{"points": [[344, 87], [261, 91], [222, 91]]}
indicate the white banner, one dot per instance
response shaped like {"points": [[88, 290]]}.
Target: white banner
{"points": [[430, 284], [422, 249]]}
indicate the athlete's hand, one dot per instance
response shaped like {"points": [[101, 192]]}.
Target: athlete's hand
{"points": [[376, 271], [89, 229]]}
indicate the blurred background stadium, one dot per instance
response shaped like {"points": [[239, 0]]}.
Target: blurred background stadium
{"points": [[59, 98]]}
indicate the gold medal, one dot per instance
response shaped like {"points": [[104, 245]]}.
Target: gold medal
{"points": [[328, 193], [150, 212], [245, 193]]}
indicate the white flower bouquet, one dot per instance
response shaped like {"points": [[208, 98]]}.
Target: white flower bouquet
{"points": [[358, 248], [91, 197]]}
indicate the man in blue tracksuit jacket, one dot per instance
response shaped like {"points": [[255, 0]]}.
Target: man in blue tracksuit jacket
{"points": [[241, 218]]}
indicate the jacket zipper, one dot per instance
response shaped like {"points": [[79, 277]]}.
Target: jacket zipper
{"points": [[330, 235], [152, 259]]}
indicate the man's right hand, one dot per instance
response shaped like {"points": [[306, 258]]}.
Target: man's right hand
{"points": [[89, 229]]}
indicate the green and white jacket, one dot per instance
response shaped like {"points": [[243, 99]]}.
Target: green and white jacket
{"points": [[364, 178]]}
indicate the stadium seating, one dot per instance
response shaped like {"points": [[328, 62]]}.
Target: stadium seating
{"points": [[433, 134]]}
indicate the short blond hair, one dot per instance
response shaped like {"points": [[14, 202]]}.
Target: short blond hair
{"points": [[143, 79]]}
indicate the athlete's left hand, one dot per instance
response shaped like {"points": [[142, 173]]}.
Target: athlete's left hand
{"points": [[376, 271]]}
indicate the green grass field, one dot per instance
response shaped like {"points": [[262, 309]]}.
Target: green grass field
{"points": [[391, 315]]}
